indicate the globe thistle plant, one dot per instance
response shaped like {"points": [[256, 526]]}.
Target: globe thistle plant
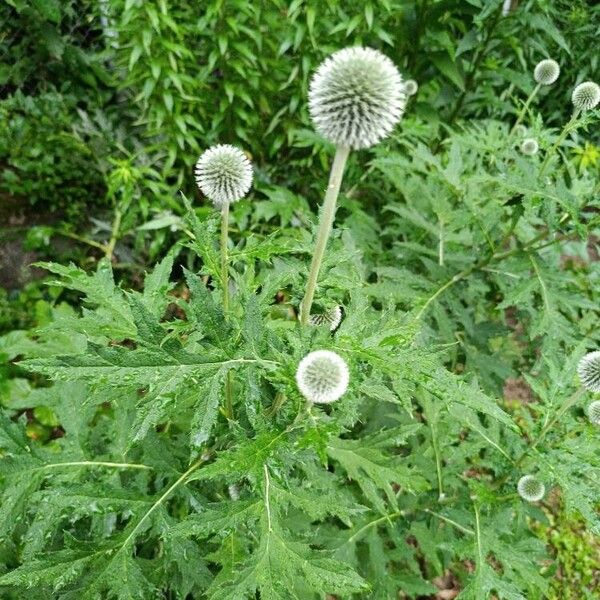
{"points": [[411, 87], [322, 377], [586, 96], [593, 412], [529, 146], [546, 72], [520, 130], [356, 98], [332, 318], [588, 370], [530, 488], [224, 175]]}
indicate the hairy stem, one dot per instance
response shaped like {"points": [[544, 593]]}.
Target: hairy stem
{"points": [[225, 287], [325, 225], [441, 243], [438, 462], [116, 226], [570, 126], [95, 463], [267, 500], [525, 108], [224, 256]]}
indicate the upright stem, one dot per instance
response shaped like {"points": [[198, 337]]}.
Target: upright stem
{"points": [[570, 126], [110, 247], [441, 243], [225, 286], [521, 114], [325, 225], [224, 256]]}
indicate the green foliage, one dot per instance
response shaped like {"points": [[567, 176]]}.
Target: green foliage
{"points": [[461, 265], [43, 160]]}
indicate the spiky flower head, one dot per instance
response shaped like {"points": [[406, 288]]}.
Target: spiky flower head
{"points": [[223, 174], [593, 412], [588, 370], [530, 488], [586, 95], [411, 87], [356, 97], [546, 71], [322, 376], [332, 317], [529, 146], [520, 130]]}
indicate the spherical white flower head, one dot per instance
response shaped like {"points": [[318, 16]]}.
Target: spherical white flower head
{"points": [[593, 412], [546, 71], [529, 146], [356, 97], [586, 95], [223, 174], [588, 370], [322, 376], [520, 130], [332, 317], [530, 488], [411, 87]]}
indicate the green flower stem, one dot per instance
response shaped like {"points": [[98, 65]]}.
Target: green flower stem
{"points": [[116, 226], [94, 463], [224, 257], [225, 286], [525, 108], [570, 126], [325, 225], [441, 243], [438, 462]]}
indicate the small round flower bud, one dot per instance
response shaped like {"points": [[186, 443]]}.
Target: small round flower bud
{"points": [[588, 370], [322, 376], [411, 87], [520, 130], [223, 174], [586, 95], [530, 488], [332, 318], [529, 146], [593, 412], [356, 97], [546, 71]]}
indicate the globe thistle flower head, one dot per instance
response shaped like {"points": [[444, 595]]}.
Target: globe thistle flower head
{"points": [[322, 376], [546, 71], [529, 146], [411, 87], [588, 370], [356, 97], [593, 412], [223, 174], [332, 317], [586, 95], [520, 130], [530, 488]]}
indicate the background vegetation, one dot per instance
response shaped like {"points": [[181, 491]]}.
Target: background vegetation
{"points": [[106, 105]]}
